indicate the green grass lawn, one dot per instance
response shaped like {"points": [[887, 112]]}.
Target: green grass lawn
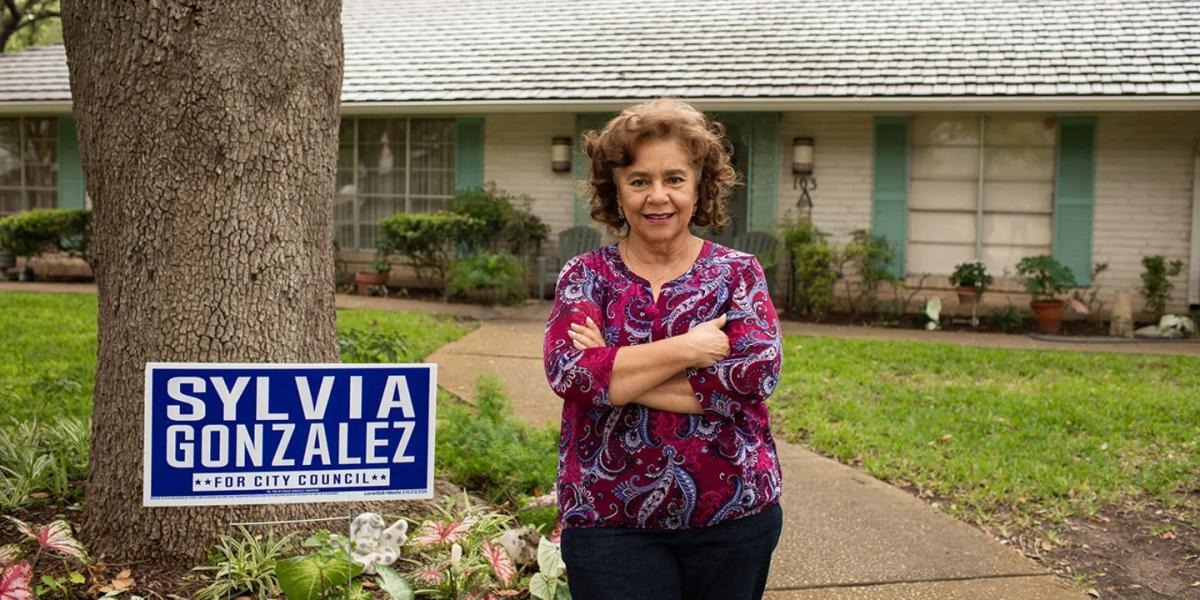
{"points": [[1000, 435], [48, 349]]}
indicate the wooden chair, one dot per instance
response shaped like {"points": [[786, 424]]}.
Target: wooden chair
{"points": [[572, 242]]}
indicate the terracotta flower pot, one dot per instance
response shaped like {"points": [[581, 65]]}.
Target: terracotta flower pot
{"points": [[968, 295], [1049, 315], [363, 280]]}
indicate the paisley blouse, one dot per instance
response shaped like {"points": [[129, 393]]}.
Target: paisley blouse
{"points": [[632, 466]]}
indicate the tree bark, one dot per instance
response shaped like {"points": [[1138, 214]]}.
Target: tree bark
{"points": [[208, 135]]}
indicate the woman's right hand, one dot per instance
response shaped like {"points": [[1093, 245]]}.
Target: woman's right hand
{"points": [[708, 343]]}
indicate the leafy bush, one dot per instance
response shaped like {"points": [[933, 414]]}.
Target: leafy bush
{"points": [[1044, 278], [480, 220], [490, 451], [426, 241], [870, 255], [813, 266], [1156, 283], [33, 232], [361, 345], [508, 223], [971, 274], [498, 277], [244, 566]]}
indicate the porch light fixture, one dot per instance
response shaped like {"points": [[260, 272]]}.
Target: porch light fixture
{"points": [[802, 169], [560, 154]]}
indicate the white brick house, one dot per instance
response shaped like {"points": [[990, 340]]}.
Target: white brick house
{"points": [[958, 129]]}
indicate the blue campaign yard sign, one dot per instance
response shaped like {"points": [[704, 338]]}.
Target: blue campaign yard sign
{"points": [[266, 434]]}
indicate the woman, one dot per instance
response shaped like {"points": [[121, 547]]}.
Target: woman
{"points": [[664, 348]]}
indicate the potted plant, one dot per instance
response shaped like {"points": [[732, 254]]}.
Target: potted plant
{"points": [[1045, 279], [485, 278], [378, 275], [970, 280]]}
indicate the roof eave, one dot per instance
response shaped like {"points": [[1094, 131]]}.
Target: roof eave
{"points": [[1054, 104]]}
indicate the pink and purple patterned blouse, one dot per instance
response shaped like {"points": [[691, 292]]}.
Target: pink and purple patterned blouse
{"points": [[632, 466]]}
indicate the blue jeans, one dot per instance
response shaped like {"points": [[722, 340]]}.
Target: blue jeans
{"points": [[727, 561]]}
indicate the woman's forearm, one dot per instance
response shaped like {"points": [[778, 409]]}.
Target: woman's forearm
{"points": [[641, 368], [673, 395]]}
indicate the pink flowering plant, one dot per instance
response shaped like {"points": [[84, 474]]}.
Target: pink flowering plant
{"points": [[54, 540], [453, 556]]}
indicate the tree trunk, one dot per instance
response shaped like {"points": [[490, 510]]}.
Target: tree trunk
{"points": [[208, 134]]}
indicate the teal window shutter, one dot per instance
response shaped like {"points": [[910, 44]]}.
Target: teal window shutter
{"points": [[468, 159], [579, 162], [71, 189], [1074, 195], [889, 187], [763, 173]]}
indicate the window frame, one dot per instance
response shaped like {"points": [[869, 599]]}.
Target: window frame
{"points": [[23, 187], [980, 211], [355, 181]]}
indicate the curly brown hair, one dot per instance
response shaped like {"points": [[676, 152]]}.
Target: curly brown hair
{"points": [[665, 118]]}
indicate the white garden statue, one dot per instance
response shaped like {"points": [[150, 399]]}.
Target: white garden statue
{"points": [[371, 544]]}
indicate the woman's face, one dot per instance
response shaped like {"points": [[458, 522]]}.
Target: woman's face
{"points": [[658, 192]]}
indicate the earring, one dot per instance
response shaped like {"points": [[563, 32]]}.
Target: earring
{"points": [[620, 213]]}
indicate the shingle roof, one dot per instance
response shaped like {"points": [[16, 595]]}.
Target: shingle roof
{"points": [[496, 50], [38, 74]]}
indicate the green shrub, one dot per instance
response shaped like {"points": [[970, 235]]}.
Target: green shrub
{"points": [[871, 256], [1156, 283], [489, 451], [1044, 277], [813, 266], [426, 241], [508, 223], [33, 232], [363, 345], [488, 278]]}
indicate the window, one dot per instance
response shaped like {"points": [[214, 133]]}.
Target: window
{"points": [[949, 221], [389, 166], [28, 164]]}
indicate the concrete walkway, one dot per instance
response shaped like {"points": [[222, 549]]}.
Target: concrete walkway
{"points": [[846, 535]]}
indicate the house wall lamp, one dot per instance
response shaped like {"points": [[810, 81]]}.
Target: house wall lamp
{"points": [[560, 154], [803, 152]]}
